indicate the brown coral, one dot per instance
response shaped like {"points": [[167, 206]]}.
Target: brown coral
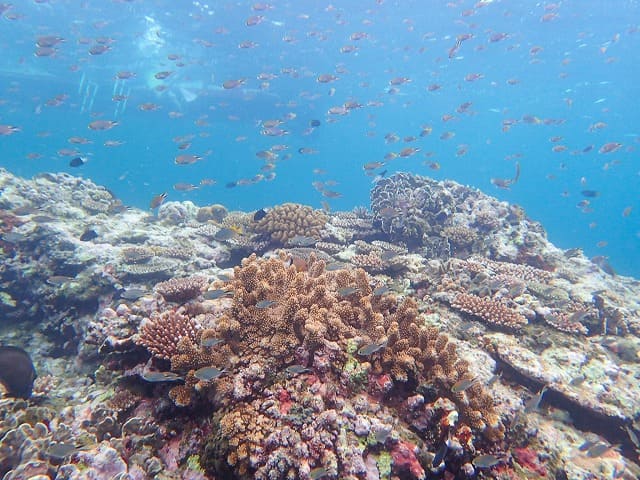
{"points": [[491, 311], [181, 290], [284, 222], [162, 332]]}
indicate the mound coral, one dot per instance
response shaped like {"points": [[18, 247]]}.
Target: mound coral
{"points": [[315, 366], [181, 289], [284, 222], [409, 207]]}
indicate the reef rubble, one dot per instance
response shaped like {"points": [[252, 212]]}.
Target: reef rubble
{"points": [[438, 334]]}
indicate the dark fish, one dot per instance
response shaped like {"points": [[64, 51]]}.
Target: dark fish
{"points": [[590, 193], [217, 293], [224, 234], [297, 369], [88, 235], [157, 200], [486, 461], [265, 303], [224, 277], [440, 454], [381, 290], [603, 263], [259, 215], [211, 342], [155, 377], [77, 162], [302, 241], [60, 451], [207, 373], [57, 280], [133, 293], [372, 348], [17, 372], [314, 123]]}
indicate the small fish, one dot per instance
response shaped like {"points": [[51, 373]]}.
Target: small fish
{"points": [[577, 381], [590, 193], [133, 293], [297, 369], [440, 454], [208, 373], [224, 234], [211, 342], [533, 403], [314, 123], [157, 200], [505, 183], [381, 290], [60, 450], [265, 303], [464, 384], [88, 235], [598, 449], [17, 372], [218, 293], [77, 161], [13, 237], [259, 215], [372, 348], [346, 291], [156, 377], [302, 241], [58, 280], [318, 473], [632, 436], [486, 461]]}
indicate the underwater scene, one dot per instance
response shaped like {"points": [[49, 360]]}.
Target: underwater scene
{"points": [[361, 239]]}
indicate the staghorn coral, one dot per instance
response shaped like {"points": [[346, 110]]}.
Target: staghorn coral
{"points": [[162, 332], [491, 311], [181, 290], [284, 222]]}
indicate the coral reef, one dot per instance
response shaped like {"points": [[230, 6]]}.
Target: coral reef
{"points": [[303, 365], [282, 316]]}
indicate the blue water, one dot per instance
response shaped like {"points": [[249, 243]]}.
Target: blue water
{"points": [[553, 76]]}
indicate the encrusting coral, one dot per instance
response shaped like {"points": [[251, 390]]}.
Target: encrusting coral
{"points": [[284, 222], [298, 347]]}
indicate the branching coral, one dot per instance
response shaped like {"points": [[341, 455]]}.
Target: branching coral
{"points": [[342, 339], [162, 332], [284, 222]]}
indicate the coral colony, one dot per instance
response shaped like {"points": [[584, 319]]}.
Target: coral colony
{"points": [[436, 335]]}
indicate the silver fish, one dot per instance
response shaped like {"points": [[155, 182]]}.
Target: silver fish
{"points": [[465, 383], [161, 377], [208, 373], [265, 303], [211, 342], [218, 293], [487, 461]]}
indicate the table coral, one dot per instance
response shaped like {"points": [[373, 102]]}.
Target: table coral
{"points": [[181, 289], [493, 312]]}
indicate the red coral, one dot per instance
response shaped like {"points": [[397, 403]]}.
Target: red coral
{"points": [[405, 460], [528, 458]]}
